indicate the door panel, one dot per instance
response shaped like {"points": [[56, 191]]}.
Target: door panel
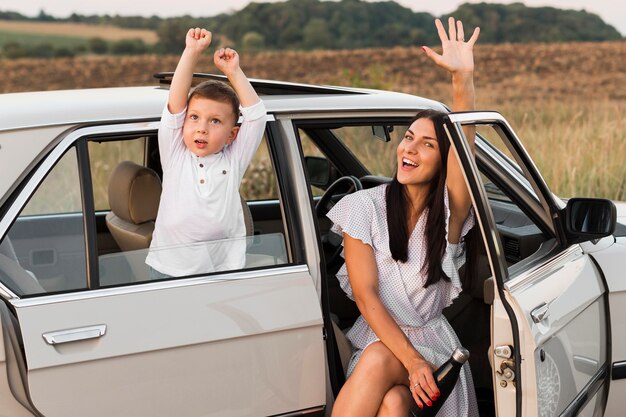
{"points": [[229, 345], [550, 306], [52, 247], [569, 345]]}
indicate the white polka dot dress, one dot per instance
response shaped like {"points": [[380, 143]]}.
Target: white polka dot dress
{"points": [[417, 310]]}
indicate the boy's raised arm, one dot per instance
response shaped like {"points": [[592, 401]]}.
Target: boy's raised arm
{"points": [[227, 61], [196, 41]]}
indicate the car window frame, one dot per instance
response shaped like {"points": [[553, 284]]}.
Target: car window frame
{"points": [[79, 138]]}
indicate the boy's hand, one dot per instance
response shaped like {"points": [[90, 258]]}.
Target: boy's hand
{"points": [[198, 39], [226, 60]]}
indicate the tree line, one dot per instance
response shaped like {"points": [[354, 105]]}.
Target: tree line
{"points": [[346, 24]]}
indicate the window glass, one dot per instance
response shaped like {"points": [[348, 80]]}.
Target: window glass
{"points": [[310, 149], [44, 251], [104, 157], [259, 181], [263, 244], [520, 235], [378, 156]]}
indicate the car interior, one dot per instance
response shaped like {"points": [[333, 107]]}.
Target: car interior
{"points": [[335, 171]]}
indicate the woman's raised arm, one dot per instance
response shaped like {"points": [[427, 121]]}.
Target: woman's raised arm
{"points": [[458, 59]]}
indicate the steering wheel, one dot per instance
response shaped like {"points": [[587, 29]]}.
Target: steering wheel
{"points": [[331, 242]]}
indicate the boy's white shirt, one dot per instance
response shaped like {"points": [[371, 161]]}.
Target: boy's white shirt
{"points": [[200, 204]]}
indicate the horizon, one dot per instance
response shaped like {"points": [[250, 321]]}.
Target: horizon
{"points": [[605, 9]]}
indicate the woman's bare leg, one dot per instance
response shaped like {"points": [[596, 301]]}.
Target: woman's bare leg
{"points": [[396, 403], [377, 372]]}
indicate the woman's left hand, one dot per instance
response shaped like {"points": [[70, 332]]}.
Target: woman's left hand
{"points": [[422, 384], [458, 55]]}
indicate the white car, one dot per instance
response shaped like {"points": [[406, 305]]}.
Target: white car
{"points": [[86, 332]]}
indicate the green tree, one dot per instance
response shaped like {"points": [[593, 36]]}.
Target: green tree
{"points": [[129, 47], [315, 35], [98, 46], [252, 41]]}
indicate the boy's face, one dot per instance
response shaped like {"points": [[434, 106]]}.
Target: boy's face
{"points": [[209, 126]]}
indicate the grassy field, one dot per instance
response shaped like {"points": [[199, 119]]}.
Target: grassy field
{"points": [[66, 33], [32, 40], [565, 101]]}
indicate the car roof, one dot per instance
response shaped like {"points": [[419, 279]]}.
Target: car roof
{"points": [[68, 107]]}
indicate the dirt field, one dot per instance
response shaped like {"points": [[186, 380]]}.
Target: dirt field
{"points": [[79, 30], [566, 101]]}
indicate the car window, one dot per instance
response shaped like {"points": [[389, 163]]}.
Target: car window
{"points": [[377, 155], [104, 157], [259, 182], [124, 261], [45, 247]]}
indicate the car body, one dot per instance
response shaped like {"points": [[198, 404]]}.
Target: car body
{"points": [[85, 331]]}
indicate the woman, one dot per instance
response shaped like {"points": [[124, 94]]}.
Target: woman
{"points": [[402, 284]]}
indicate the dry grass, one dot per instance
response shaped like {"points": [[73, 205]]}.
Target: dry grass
{"points": [[78, 30], [565, 101]]}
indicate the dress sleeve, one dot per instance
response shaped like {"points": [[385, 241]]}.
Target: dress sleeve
{"points": [[353, 215], [454, 257]]}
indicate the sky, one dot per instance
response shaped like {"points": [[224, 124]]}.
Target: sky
{"points": [[608, 10]]}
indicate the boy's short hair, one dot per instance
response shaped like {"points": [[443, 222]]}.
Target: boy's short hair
{"points": [[218, 91]]}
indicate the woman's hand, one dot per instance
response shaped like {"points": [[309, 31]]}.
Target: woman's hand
{"points": [[458, 55], [422, 384]]}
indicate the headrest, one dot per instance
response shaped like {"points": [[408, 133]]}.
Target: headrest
{"points": [[134, 192]]}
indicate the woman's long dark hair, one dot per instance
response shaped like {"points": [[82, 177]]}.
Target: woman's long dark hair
{"points": [[399, 206]]}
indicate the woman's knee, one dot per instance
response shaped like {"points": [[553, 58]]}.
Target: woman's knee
{"points": [[378, 358], [396, 402]]}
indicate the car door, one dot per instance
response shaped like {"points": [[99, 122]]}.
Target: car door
{"points": [[549, 349], [231, 343]]}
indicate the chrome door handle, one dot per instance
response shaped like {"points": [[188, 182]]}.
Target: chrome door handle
{"points": [[540, 313], [74, 335]]}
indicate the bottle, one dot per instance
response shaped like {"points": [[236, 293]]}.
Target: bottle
{"points": [[445, 377]]}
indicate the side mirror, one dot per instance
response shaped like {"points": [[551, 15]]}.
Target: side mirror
{"points": [[589, 219], [318, 169]]}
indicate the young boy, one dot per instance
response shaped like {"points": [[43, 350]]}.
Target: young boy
{"points": [[204, 156]]}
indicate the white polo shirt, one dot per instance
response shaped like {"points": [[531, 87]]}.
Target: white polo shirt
{"points": [[200, 226]]}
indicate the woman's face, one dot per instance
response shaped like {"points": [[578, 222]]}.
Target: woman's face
{"points": [[418, 154]]}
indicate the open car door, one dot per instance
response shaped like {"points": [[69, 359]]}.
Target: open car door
{"points": [[549, 330]]}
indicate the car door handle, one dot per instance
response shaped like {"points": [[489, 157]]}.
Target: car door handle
{"points": [[75, 335], [540, 313]]}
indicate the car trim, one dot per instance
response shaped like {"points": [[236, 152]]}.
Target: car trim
{"points": [[6, 293], [526, 276], [587, 393], [291, 216], [618, 370], [43, 299], [90, 231]]}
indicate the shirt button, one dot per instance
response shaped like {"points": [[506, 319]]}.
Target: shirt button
{"points": [[224, 172], [201, 165], [201, 181]]}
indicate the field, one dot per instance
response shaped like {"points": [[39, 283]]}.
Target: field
{"points": [[67, 34], [566, 101]]}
